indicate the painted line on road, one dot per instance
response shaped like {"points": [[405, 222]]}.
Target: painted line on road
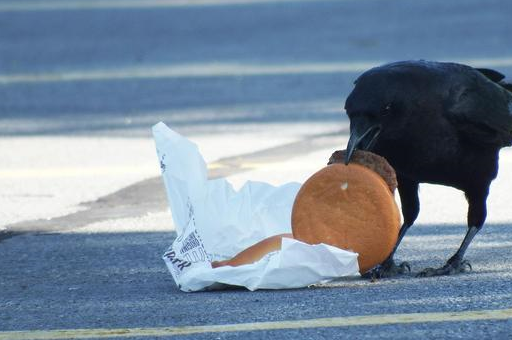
{"points": [[251, 165], [78, 172], [200, 70], [59, 5], [110, 170], [205, 70], [366, 320]]}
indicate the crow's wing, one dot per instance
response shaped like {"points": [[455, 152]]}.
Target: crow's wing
{"points": [[479, 108]]}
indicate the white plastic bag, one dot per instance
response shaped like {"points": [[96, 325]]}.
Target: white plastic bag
{"points": [[214, 222]]}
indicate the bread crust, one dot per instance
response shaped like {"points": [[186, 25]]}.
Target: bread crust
{"points": [[370, 160]]}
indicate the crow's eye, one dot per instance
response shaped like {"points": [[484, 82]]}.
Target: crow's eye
{"points": [[386, 110]]}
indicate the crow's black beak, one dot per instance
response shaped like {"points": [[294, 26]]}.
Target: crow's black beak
{"points": [[363, 141]]}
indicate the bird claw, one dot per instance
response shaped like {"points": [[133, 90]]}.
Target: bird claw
{"points": [[387, 269], [427, 272], [464, 264], [448, 269], [404, 265]]}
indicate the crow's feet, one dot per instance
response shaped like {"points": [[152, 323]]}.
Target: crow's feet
{"points": [[450, 268], [387, 269]]}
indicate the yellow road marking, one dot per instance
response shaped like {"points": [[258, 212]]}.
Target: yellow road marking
{"points": [[105, 170], [52, 5], [367, 320], [186, 70], [77, 172], [216, 165], [215, 70], [244, 165]]}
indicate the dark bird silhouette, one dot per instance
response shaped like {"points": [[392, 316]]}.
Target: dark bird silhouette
{"points": [[440, 123]]}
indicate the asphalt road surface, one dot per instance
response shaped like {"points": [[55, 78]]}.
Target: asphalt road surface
{"points": [[83, 209]]}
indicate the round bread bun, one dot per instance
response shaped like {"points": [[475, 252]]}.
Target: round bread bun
{"points": [[254, 252], [350, 207]]}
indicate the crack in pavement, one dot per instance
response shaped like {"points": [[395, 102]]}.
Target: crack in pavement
{"points": [[148, 196]]}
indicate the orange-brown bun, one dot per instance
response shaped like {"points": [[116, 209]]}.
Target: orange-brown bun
{"points": [[350, 207], [254, 252]]}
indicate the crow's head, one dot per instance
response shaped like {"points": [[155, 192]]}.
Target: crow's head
{"points": [[378, 107]]}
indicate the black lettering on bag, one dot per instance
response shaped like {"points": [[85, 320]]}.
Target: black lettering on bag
{"points": [[180, 264]]}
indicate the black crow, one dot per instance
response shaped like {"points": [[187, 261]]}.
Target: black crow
{"points": [[435, 122]]}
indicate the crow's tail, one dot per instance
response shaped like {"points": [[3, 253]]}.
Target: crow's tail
{"points": [[496, 77]]}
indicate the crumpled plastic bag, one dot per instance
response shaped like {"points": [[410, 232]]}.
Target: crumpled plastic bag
{"points": [[214, 222]]}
